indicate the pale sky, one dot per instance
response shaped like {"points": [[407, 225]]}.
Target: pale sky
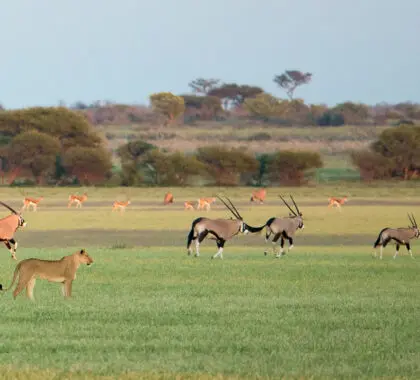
{"points": [[359, 50]]}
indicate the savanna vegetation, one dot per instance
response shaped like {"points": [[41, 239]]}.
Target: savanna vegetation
{"points": [[224, 134]]}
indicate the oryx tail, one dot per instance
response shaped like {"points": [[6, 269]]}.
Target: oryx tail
{"points": [[379, 240]]}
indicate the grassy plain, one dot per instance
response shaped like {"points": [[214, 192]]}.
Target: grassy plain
{"points": [[147, 310]]}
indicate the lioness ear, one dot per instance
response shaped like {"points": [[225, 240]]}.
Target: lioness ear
{"points": [[82, 251]]}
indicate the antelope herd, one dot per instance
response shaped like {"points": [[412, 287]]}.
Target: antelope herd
{"points": [[220, 230]]}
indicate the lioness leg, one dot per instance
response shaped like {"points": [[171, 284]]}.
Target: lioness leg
{"points": [[67, 288], [30, 289], [23, 282]]}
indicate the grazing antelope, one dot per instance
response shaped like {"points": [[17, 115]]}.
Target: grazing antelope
{"points": [[120, 206], [8, 227], [205, 203], [399, 235], [258, 195], [337, 202], [220, 230], [169, 198], [78, 199], [189, 205], [28, 202], [284, 228]]}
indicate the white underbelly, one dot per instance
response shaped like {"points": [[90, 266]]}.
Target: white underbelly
{"points": [[52, 279]]}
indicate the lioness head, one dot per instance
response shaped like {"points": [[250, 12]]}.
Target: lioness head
{"points": [[84, 257]]}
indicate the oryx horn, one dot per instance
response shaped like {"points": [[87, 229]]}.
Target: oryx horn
{"points": [[235, 213], [297, 208], [412, 220], [293, 212], [5, 205]]}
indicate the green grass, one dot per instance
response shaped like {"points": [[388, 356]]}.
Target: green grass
{"points": [[147, 310]]}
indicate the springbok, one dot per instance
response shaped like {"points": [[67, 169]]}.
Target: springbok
{"points": [[284, 228], [8, 227], [399, 235], [31, 202], [169, 198], [337, 202], [120, 205], [78, 199], [258, 195], [189, 205], [220, 230], [205, 203]]}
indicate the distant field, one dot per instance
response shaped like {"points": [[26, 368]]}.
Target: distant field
{"points": [[147, 310]]}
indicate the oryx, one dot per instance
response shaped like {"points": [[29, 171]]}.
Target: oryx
{"points": [[399, 235], [8, 227], [221, 230], [284, 228]]}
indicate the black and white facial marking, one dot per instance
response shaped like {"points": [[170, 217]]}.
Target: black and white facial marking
{"points": [[22, 222]]}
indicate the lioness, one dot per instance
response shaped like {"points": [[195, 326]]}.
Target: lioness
{"points": [[63, 271]]}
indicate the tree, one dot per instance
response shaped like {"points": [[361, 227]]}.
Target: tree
{"points": [[402, 146], [203, 86], [288, 167], [35, 152], [352, 113], [226, 166], [396, 153], [70, 127], [133, 155], [168, 105], [203, 107], [89, 165], [173, 169], [265, 106], [232, 94], [291, 79]]}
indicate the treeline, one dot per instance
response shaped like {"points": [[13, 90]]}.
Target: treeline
{"points": [[211, 100]]}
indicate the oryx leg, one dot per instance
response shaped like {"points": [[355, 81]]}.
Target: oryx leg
{"points": [[274, 243], [201, 236], [407, 245], [281, 253], [220, 245], [397, 248], [15, 244], [9, 247], [383, 245], [267, 236]]}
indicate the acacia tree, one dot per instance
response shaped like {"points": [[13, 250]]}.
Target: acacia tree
{"points": [[291, 79], [203, 86], [204, 107], [168, 105], [233, 94], [34, 152]]}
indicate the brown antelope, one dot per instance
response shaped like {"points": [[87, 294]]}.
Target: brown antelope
{"points": [[31, 202], [205, 203], [78, 199], [258, 195], [337, 202], [189, 205], [8, 227], [169, 198], [120, 206], [220, 230]]}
